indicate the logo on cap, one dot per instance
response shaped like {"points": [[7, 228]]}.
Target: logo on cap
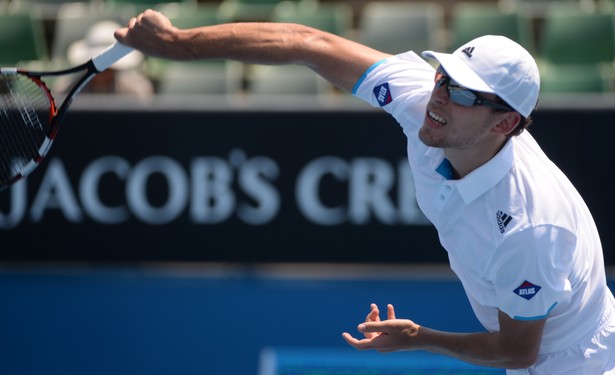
{"points": [[383, 94], [468, 51], [527, 290]]}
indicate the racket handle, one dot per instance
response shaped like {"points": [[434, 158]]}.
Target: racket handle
{"points": [[111, 55]]}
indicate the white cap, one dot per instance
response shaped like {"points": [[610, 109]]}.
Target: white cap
{"points": [[98, 38], [495, 64]]}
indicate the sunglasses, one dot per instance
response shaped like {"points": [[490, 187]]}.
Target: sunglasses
{"points": [[464, 96]]}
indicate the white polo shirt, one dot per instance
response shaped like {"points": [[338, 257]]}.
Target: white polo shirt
{"points": [[518, 235]]}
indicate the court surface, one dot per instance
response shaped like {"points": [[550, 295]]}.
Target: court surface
{"points": [[217, 319]]}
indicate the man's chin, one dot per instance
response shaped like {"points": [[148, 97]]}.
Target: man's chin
{"points": [[426, 138]]}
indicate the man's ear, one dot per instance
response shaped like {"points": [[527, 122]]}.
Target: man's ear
{"points": [[508, 122]]}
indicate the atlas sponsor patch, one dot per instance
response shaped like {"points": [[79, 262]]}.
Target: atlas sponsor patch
{"points": [[383, 94], [527, 290]]}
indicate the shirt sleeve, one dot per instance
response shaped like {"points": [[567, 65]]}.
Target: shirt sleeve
{"points": [[401, 85], [530, 272]]}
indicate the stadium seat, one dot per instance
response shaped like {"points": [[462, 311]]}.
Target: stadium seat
{"points": [[537, 8], [247, 10], [571, 35], [44, 9], [73, 21], [576, 49], [201, 77], [336, 18], [399, 26], [576, 79], [22, 38], [141, 5], [473, 19], [286, 80], [188, 15]]}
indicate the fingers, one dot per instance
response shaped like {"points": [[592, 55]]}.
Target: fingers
{"points": [[145, 16], [368, 329], [372, 323], [121, 34], [383, 336], [349, 339], [374, 314], [356, 343], [143, 31], [390, 312]]}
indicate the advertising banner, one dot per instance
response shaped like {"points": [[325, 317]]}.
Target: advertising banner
{"points": [[250, 186]]}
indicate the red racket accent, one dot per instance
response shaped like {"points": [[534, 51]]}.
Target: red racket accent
{"points": [[29, 116]]}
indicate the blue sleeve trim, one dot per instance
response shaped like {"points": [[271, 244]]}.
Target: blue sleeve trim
{"points": [[539, 317], [360, 81]]}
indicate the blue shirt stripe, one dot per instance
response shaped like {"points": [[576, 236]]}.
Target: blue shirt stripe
{"points": [[356, 85], [536, 317]]}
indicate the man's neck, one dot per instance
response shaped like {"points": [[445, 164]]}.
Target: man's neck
{"points": [[463, 162]]}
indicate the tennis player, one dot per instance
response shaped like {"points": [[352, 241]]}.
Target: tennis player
{"points": [[518, 234]]}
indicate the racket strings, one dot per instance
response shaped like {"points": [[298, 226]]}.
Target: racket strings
{"points": [[24, 124]]}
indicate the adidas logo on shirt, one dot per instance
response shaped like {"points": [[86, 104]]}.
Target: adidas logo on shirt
{"points": [[503, 220]]}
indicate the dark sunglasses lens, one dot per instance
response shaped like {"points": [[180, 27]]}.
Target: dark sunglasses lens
{"points": [[461, 96]]}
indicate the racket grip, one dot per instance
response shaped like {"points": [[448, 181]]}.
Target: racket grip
{"points": [[109, 56]]}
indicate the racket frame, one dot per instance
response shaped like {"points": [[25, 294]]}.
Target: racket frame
{"points": [[92, 67]]}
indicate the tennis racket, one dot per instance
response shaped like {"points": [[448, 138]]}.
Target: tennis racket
{"points": [[29, 116]]}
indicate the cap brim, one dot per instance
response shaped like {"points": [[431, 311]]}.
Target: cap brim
{"points": [[458, 70]]}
